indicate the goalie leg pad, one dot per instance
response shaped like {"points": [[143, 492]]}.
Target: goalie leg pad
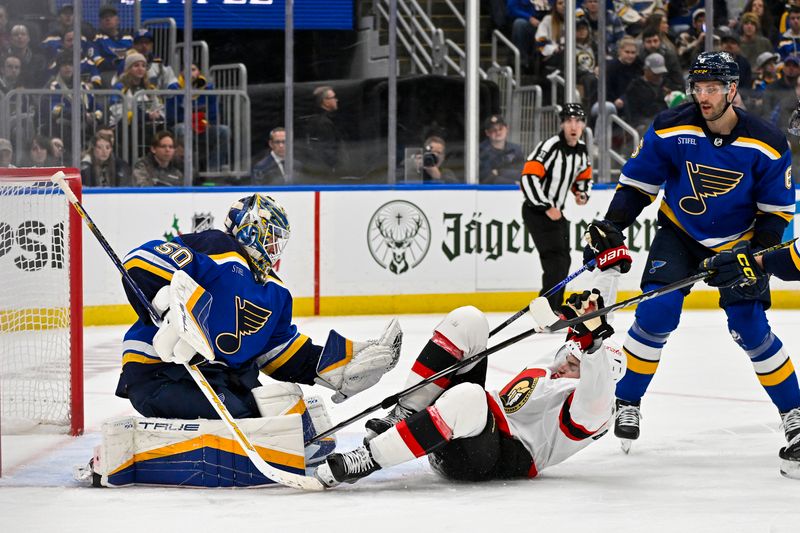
{"points": [[281, 398], [195, 453], [459, 413]]}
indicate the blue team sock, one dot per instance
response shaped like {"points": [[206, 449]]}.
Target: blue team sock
{"points": [[749, 327], [655, 320]]}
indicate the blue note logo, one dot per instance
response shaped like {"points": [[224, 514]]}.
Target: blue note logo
{"points": [[656, 264], [707, 182], [250, 318], [398, 236]]}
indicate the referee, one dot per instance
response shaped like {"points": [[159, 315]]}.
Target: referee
{"points": [[557, 167]]}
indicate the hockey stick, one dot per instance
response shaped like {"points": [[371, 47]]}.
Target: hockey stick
{"points": [[550, 291], [560, 324], [289, 479]]}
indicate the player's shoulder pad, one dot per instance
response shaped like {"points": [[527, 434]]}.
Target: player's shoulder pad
{"points": [[682, 115], [751, 126], [210, 242]]}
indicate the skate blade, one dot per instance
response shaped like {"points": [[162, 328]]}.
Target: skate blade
{"points": [[625, 444], [790, 469]]}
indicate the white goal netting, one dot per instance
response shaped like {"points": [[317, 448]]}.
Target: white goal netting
{"points": [[35, 337]]}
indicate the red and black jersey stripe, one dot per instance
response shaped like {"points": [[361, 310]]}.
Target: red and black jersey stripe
{"points": [[438, 354], [568, 426], [424, 432]]}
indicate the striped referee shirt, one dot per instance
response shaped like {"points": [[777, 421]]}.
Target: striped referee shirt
{"points": [[553, 170]]}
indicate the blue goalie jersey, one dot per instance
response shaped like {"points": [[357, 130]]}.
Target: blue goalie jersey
{"points": [[718, 189], [250, 325]]}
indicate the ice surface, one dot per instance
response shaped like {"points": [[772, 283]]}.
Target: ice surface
{"points": [[707, 459]]}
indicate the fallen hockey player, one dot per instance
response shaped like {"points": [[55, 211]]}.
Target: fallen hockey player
{"points": [[542, 417]]}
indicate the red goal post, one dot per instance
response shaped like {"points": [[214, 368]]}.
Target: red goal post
{"points": [[41, 303]]}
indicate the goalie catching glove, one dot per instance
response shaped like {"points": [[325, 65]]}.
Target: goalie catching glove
{"points": [[590, 334], [349, 367], [183, 331], [733, 268], [604, 244]]}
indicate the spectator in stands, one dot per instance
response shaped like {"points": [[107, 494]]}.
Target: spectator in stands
{"points": [[651, 44], [39, 153], [212, 136], [500, 161], [159, 75], [644, 98], [615, 30], [63, 23], [111, 43], [766, 24], [430, 164], [634, 12], [658, 21], [6, 154], [766, 71], [89, 72], [550, 37], [5, 33], [133, 80], [12, 67], [752, 42], [270, 170], [730, 44], [59, 149], [622, 71], [526, 16], [61, 102], [692, 41], [101, 168], [34, 71], [157, 167], [325, 157], [783, 25], [586, 62], [779, 96], [789, 44]]}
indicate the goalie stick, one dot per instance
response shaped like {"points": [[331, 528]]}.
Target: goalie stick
{"points": [[550, 291], [289, 479], [559, 324]]}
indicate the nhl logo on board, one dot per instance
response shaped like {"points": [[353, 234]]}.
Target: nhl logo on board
{"points": [[398, 236]]}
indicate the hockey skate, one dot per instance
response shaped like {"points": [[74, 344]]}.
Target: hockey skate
{"points": [[346, 467], [376, 426], [790, 454], [626, 425]]}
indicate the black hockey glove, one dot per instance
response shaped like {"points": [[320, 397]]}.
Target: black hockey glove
{"points": [[605, 244], [590, 334], [733, 268]]}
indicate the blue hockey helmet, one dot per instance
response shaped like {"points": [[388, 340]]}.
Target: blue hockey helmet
{"points": [[714, 66], [260, 225]]}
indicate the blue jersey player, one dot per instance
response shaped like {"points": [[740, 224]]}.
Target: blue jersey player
{"points": [[727, 178], [248, 324]]}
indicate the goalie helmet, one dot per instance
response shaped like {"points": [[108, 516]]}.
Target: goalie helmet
{"points": [[260, 225]]}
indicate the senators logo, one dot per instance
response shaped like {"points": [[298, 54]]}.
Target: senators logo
{"points": [[250, 318], [518, 392], [707, 182]]}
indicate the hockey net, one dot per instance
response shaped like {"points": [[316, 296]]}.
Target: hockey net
{"points": [[41, 300]]}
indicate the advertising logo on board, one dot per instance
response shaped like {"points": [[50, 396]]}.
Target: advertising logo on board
{"points": [[398, 236]]}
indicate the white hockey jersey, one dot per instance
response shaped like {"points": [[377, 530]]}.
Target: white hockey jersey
{"points": [[556, 418]]}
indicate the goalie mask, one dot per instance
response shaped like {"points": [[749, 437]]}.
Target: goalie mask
{"points": [[260, 225]]}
